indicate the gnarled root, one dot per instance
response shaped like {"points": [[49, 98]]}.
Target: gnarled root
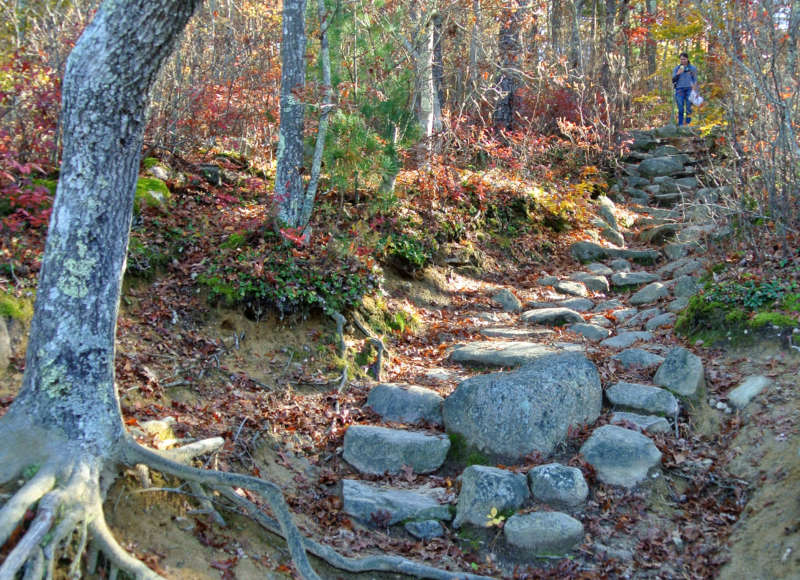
{"points": [[67, 494]]}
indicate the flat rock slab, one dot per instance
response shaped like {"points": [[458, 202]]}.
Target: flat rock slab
{"points": [[599, 269], [642, 398], [557, 485], [666, 165], [647, 423], [591, 252], [638, 358], [406, 403], [543, 533], [501, 353], [515, 333], [661, 321], [372, 504], [571, 287], [558, 316], [741, 396], [613, 304], [576, 304], [592, 332], [508, 415], [626, 339], [632, 278], [620, 456], [649, 294], [682, 373], [484, 488], [377, 450]]}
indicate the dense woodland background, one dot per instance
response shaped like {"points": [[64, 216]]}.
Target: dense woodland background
{"points": [[533, 90]]}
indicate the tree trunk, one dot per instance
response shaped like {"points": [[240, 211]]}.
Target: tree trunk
{"points": [[510, 49], [575, 49], [608, 44], [69, 371], [289, 188], [438, 73], [650, 47]]}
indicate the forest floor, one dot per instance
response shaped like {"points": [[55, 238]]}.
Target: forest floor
{"points": [[272, 389]]}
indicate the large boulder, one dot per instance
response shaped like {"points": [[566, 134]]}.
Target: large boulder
{"points": [[486, 488], [406, 403], [620, 456], [376, 450], [655, 166], [373, 504], [511, 414], [642, 398]]}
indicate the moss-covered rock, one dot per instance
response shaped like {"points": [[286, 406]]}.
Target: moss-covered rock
{"points": [[151, 192]]}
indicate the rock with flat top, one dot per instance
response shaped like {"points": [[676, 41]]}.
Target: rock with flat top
{"points": [[620, 456], [682, 373]]}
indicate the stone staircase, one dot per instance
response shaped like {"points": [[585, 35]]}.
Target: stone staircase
{"points": [[618, 306]]}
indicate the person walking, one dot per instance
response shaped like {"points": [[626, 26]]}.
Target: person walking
{"points": [[684, 79]]}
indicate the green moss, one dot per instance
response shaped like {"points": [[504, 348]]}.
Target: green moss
{"points": [[151, 192], [462, 452], [236, 240], [15, 308], [778, 319], [150, 162]]}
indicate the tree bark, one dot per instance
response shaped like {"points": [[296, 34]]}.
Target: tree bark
{"points": [[510, 50], [289, 187], [69, 372]]}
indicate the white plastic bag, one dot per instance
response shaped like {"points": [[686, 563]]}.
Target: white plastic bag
{"points": [[695, 98]]}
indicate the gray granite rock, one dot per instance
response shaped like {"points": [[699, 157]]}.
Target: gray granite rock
{"points": [[511, 414], [506, 353], [576, 304], [660, 321], [5, 345], [559, 486], [406, 403], [666, 165], [371, 503], [626, 339], [621, 316], [642, 398], [425, 530], [599, 269], [678, 304], [551, 316], [589, 331], [646, 423], [686, 286], [638, 358], [620, 456], [741, 396], [676, 251], [612, 304], [484, 488], [601, 321], [607, 211], [508, 302], [543, 533], [609, 234], [650, 294], [682, 373], [591, 252], [571, 287], [620, 265], [642, 317], [689, 267], [632, 278], [514, 333], [595, 282], [547, 280], [659, 234], [376, 450]]}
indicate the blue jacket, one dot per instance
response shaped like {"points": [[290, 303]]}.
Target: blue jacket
{"points": [[685, 80]]}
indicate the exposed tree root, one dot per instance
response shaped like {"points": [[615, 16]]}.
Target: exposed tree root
{"points": [[69, 520]]}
